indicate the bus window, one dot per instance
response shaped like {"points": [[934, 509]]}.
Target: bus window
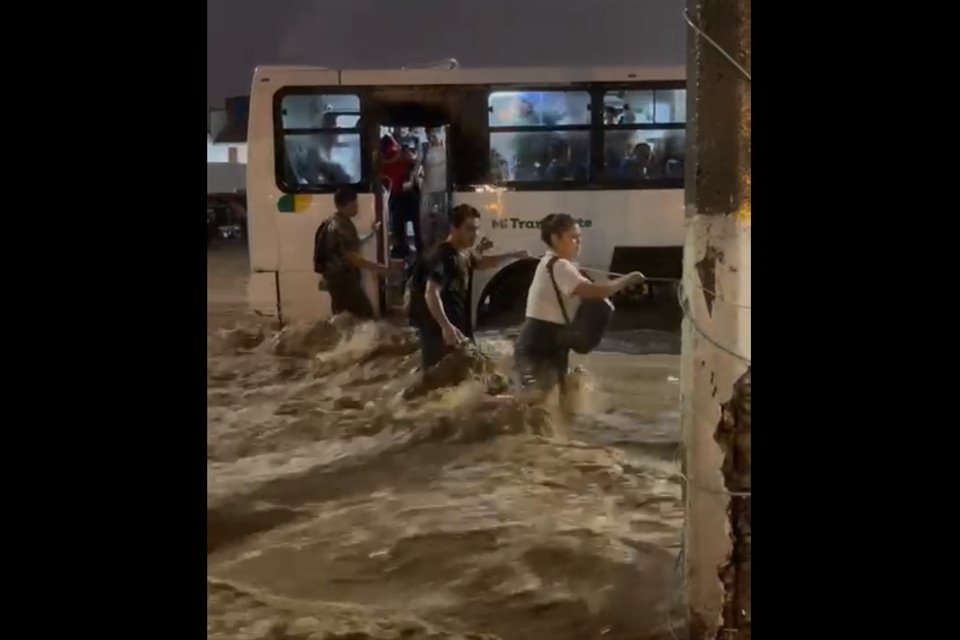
{"points": [[538, 108], [644, 139], [540, 156], [628, 107], [313, 111], [319, 145], [670, 106], [539, 136], [644, 154]]}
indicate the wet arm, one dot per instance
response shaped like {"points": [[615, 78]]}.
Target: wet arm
{"points": [[571, 281], [435, 304], [593, 291]]}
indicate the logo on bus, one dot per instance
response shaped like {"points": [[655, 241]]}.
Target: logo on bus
{"points": [[517, 223]]}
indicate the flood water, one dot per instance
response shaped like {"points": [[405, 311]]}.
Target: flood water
{"points": [[339, 509]]}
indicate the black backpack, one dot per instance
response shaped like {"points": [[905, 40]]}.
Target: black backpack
{"points": [[321, 252], [585, 331]]}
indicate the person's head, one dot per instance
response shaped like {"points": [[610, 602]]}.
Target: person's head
{"points": [[464, 225], [560, 151], [434, 135], [389, 147], [561, 233], [609, 115], [345, 199], [643, 154]]}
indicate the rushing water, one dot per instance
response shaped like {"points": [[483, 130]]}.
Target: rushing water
{"points": [[340, 506]]}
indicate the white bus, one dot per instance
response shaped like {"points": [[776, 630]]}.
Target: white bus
{"points": [[605, 145]]}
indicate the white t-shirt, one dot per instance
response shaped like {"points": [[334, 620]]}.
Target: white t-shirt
{"points": [[542, 298]]}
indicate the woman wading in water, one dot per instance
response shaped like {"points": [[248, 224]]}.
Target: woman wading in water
{"points": [[542, 354]]}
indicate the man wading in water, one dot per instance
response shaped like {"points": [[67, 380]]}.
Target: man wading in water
{"points": [[447, 273], [337, 257]]}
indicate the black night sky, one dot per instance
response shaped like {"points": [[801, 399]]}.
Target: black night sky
{"points": [[392, 33]]}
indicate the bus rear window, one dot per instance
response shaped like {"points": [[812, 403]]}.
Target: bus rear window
{"points": [[318, 145]]}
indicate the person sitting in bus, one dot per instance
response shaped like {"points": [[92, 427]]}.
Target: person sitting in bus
{"points": [[499, 168], [541, 357], [447, 274], [342, 262], [640, 164], [562, 167], [397, 168]]}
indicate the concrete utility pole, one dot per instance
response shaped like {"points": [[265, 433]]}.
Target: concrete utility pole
{"points": [[716, 335]]}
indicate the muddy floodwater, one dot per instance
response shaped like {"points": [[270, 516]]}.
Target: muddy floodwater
{"points": [[346, 504]]}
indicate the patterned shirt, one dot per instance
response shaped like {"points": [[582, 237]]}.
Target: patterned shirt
{"points": [[342, 239]]}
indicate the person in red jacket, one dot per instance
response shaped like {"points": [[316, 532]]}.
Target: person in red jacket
{"points": [[398, 168]]}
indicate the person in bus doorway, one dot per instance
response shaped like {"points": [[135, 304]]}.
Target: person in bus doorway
{"points": [[447, 275], [541, 358], [397, 168], [434, 218], [339, 252]]}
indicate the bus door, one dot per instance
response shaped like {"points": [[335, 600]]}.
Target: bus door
{"points": [[413, 189]]}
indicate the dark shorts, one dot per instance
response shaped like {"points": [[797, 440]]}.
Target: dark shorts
{"points": [[347, 294], [540, 360]]}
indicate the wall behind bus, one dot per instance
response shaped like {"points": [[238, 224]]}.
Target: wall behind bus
{"points": [[226, 177], [223, 153], [242, 34]]}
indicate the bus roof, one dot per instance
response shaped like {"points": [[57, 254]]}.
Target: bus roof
{"points": [[465, 76]]}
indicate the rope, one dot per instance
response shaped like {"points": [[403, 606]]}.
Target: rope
{"points": [[715, 295], [689, 316], [685, 308]]}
